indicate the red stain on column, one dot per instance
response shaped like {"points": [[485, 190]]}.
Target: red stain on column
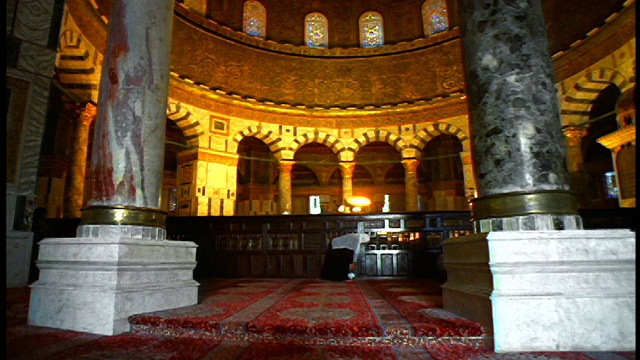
{"points": [[104, 187], [119, 46]]}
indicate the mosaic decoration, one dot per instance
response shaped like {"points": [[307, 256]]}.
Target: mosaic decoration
{"points": [[434, 15], [371, 30], [316, 31], [254, 19]]}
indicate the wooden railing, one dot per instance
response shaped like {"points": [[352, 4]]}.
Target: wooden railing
{"points": [[402, 244], [295, 245]]}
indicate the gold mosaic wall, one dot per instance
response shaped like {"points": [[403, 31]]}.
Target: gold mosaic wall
{"points": [[404, 77]]}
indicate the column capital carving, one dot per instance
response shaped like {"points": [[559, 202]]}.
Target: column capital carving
{"points": [[88, 114], [347, 165], [573, 134], [410, 165], [286, 165]]}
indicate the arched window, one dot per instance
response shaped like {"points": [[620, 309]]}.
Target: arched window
{"points": [[254, 19], [316, 31], [434, 17], [371, 30]]}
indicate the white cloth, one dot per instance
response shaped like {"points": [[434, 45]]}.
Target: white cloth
{"points": [[350, 241]]}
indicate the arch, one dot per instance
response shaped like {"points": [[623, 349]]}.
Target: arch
{"points": [[371, 29], [259, 133], [321, 137], [577, 103], [70, 39], [77, 66], [303, 175], [316, 30], [254, 19], [423, 136], [378, 135], [434, 17], [190, 126]]}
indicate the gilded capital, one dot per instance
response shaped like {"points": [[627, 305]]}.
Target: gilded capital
{"points": [[574, 134], [286, 165], [410, 165], [347, 168], [88, 114]]}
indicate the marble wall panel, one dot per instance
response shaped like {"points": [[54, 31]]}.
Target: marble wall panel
{"points": [[33, 21], [33, 129]]}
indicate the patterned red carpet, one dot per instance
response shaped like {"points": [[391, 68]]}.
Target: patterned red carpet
{"points": [[282, 319]]}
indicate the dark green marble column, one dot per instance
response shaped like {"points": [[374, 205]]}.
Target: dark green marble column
{"points": [[517, 143]]}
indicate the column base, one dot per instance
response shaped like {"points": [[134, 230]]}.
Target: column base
{"points": [[529, 222], [93, 285], [570, 290]]}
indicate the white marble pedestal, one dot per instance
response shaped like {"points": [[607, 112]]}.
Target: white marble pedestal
{"points": [[94, 284], [570, 290], [19, 245]]}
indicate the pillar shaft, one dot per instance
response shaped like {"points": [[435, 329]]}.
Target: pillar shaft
{"points": [[347, 181], [411, 184], [573, 139], [578, 178], [518, 146], [75, 187], [284, 186], [128, 151]]}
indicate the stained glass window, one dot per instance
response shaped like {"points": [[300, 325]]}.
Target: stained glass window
{"points": [[371, 30], [254, 20], [434, 17], [316, 32]]}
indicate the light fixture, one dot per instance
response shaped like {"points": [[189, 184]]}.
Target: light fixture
{"points": [[359, 201]]}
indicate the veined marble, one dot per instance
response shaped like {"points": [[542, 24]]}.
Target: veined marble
{"points": [[94, 284], [19, 244], [128, 151], [570, 290], [33, 21]]}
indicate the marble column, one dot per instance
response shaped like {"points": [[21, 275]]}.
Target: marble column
{"points": [[75, 183], [284, 186], [531, 275], [411, 184], [347, 181], [573, 140], [515, 119], [112, 269], [128, 149]]}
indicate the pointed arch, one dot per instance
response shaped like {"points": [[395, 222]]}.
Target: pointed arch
{"points": [[371, 29], [77, 66], [189, 125], [316, 30], [577, 103], [254, 19]]}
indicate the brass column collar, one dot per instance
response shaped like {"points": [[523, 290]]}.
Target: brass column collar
{"points": [[525, 203], [123, 215]]}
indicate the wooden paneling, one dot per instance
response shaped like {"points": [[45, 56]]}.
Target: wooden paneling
{"points": [[238, 246]]}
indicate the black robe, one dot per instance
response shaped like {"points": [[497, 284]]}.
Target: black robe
{"points": [[336, 264]]}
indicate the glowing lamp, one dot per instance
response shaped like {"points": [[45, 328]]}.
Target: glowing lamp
{"points": [[359, 201]]}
